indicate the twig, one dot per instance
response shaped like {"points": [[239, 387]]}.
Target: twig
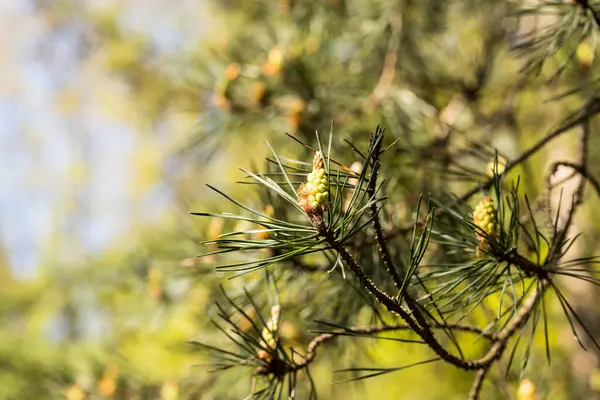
{"points": [[311, 350], [581, 171], [559, 237], [382, 247], [478, 384], [531, 151]]}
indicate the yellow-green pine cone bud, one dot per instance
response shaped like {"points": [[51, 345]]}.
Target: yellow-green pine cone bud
{"points": [[314, 193], [268, 338], [270, 330], [484, 215], [585, 54], [269, 335]]}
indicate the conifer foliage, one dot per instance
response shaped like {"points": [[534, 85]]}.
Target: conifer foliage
{"points": [[425, 235]]}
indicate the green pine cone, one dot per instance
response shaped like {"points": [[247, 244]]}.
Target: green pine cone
{"points": [[484, 215], [315, 192]]}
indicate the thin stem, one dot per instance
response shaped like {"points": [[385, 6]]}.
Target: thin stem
{"points": [[311, 350], [478, 384], [531, 151], [530, 268], [382, 247], [581, 171], [559, 238]]}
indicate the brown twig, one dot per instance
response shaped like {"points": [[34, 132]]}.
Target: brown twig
{"points": [[581, 171], [478, 384], [311, 350], [560, 234], [382, 247]]}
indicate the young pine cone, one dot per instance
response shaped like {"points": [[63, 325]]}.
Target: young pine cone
{"points": [[484, 217], [314, 193], [269, 335]]}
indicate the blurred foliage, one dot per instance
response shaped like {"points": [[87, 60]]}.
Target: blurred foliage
{"points": [[442, 77]]}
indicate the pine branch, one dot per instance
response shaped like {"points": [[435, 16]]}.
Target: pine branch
{"points": [[311, 350], [333, 224], [591, 108], [376, 142], [581, 170], [494, 353], [478, 383], [559, 238]]}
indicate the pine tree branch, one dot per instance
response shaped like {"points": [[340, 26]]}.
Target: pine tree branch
{"points": [[382, 247], [493, 354], [580, 170], [529, 267], [478, 384], [311, 350], [567, 126], [559, 237], [390, 303], [592, 108]]}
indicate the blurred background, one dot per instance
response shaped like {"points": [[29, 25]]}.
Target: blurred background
{"points": [[114, 113]]}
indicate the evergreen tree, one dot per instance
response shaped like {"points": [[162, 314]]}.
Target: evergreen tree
{"points": [[434, 224], [348, 242]]}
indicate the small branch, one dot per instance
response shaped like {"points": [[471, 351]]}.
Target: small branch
{"points": [[382, 247], [530, 268], [518, 320], [311, 350], [592, 108], [532, 150], [581, 171], [382, 297], [559, 237], [478, 384], [494, 353], [390, 303]]}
